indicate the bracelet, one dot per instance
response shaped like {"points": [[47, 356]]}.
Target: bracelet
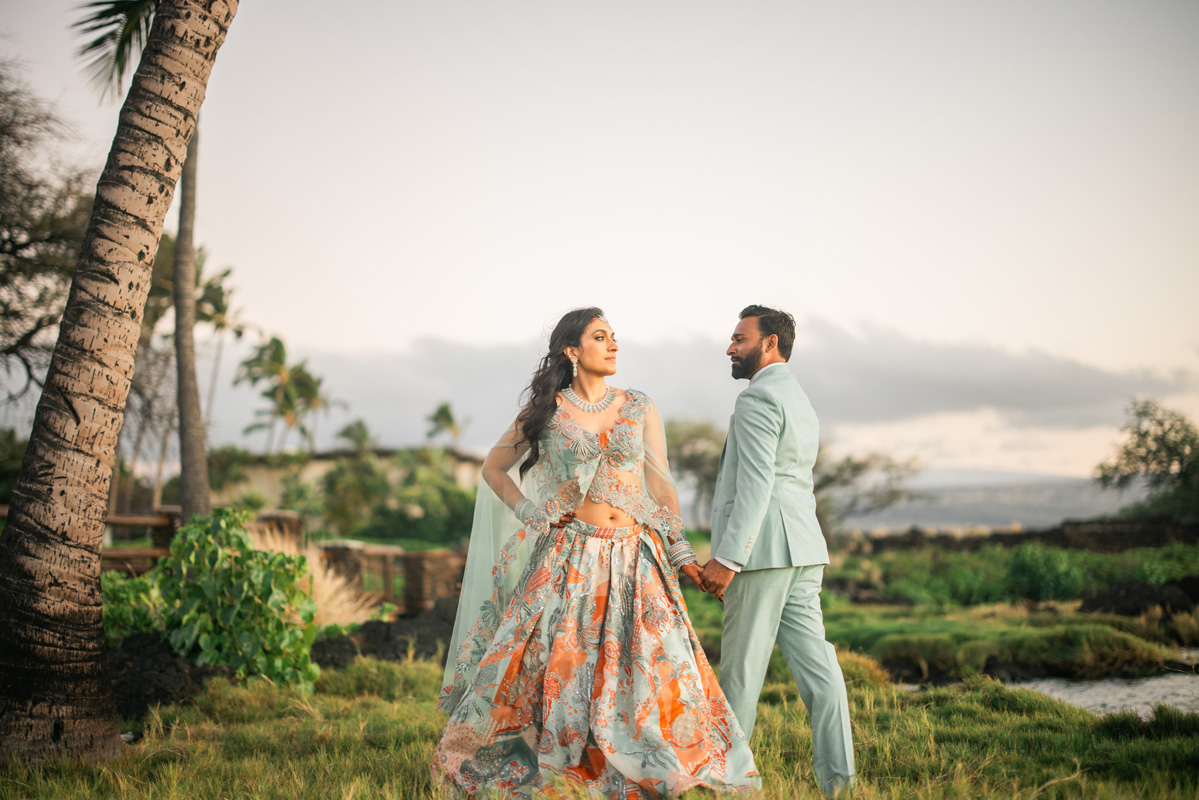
{"points": [[680, 554], [525, 510]]}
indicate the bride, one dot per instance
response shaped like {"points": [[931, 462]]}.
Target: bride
{"points": [[573, 659]]}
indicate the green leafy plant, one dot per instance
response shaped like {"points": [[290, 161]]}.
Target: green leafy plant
{"points": [[384, 612], [1042, 573], [227, 466], [428, 504], [251, 500], [131, 605], [236, 605]]}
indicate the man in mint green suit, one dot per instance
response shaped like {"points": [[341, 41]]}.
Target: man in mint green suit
{"points": [[768, 553]]}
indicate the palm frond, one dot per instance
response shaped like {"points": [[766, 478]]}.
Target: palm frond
{"points": [[118, 31]]}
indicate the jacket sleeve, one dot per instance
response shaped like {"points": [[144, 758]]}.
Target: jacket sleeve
{"points": [[757, 423]]}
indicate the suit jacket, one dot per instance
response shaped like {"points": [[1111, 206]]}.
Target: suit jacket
{"points": [[764, 510]]}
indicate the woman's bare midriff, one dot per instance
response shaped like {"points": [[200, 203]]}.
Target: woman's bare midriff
{"points": [[603, 515], [606, 515]]}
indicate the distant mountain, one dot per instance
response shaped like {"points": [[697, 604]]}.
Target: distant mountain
{"points": [[980, 498], [955, 478]]}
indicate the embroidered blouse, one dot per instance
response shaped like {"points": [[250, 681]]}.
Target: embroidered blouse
{"points": [[625, 466]]}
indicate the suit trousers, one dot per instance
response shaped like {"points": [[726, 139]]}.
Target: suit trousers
{"points": [[765, 605]]}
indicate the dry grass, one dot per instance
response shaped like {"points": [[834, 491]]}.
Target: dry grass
{"points": [[337, 601], [369, 732], [1185, 628]]}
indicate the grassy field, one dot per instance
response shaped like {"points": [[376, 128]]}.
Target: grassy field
{"points": [[930, 642], [931, 576], [369, 732]]}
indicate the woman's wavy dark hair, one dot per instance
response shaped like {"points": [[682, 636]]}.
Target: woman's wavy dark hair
{"points": [[552, 375]]}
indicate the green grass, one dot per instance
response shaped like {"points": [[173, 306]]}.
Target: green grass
{"points": [[372, 583], [956, 643], [386, 541], [369, 732], [141, 541], [934, 576]]}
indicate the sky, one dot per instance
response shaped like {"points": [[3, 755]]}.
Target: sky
{"points": [[983, 216]]}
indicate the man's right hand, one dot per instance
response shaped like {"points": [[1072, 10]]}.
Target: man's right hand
{"points": [[717, 578]]}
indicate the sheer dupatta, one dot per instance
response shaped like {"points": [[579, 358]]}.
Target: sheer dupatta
{"points": [[571, 460]]}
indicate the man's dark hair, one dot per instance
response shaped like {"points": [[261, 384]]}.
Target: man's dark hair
{"points": [[773, 321]]}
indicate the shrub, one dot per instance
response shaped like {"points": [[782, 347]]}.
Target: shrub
{"points": [[227, 466], [430, 506], [1039, 573], [250, 500], [131, 605], [236, 605], [861, 670]]}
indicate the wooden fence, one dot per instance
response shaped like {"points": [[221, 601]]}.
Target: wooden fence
{"points": [[428, 575]]}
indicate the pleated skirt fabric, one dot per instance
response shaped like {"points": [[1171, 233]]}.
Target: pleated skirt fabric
{"points": [[594, 678]]}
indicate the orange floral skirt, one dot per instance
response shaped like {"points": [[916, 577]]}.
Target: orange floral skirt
{"points": [[593, 676]]}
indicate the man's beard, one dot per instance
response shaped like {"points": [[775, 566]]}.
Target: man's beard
{"points": [[747, 366]]}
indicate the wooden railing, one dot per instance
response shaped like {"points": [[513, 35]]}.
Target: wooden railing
{"points": [[134, 561], [428, 574]]}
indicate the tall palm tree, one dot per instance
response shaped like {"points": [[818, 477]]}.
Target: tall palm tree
{"points": [[119, 29], [55, 698]]}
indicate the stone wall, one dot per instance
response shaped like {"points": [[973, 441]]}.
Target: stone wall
{"points": [[429, 576]]}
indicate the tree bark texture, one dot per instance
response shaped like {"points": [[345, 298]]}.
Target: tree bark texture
{"points": [[55, 696], [194, 496]]}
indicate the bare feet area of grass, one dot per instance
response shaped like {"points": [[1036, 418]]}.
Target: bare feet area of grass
{"points": [[368, 731]]}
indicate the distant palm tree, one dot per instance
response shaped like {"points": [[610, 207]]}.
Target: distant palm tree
{"points": [[442, 420], [358, 435], [267, 364], [55, 696], [311, 400], [215, 308], [295, 395], [356, 485], [119, 30]]}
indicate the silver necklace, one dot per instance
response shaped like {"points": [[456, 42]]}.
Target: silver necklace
{"points": [[590, 408]]}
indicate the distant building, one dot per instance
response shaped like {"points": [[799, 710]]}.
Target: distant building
{"points": [[266, 478]]}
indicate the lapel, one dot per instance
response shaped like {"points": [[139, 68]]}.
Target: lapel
{"points": [[768, 376], [725, 449]]}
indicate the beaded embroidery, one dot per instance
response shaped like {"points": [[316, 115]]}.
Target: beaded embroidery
{"points": [[608, 467]]}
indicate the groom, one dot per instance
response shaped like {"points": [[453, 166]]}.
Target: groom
{"points": [[768, 553]]}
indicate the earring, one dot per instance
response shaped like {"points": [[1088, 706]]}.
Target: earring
{"points": [[574, 367]]}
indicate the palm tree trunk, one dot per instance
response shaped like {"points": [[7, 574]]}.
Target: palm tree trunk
{"points": [[194, 494], [143, 425], [156, 502], [55, 697], [216, 371]]}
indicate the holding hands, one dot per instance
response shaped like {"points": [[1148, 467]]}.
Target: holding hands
{"points": [[715, 578], [693, 572]]}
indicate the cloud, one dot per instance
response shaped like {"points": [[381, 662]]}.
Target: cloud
{"points": [[882, 376], [875, 376]]}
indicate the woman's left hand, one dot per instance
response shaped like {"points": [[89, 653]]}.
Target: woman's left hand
{"points": [[693, 572]]}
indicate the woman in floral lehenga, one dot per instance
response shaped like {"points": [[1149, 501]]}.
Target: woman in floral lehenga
{"points": [[573, 659]]}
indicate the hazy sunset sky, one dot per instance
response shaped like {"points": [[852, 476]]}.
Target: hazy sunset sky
{"points": [[984, 216]]}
